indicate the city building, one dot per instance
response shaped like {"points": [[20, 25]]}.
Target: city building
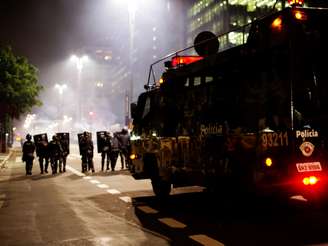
{"points": [[222, 16]]}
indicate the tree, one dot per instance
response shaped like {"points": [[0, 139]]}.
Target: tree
{"points": [[19, 90]]}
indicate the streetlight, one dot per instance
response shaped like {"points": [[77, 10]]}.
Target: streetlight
{"points": [[99, 84], [79, 62], [92, 116], [29, 120], [66, 119], [132, 7], [65, 122], [60, 88]]}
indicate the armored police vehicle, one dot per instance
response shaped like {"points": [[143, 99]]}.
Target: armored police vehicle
{"points": [[249, 118]]}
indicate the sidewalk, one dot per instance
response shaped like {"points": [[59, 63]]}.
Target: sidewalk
{"points": [[4, 157]]}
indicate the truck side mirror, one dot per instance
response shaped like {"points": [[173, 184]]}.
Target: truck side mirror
{"points": [[133, 108]]}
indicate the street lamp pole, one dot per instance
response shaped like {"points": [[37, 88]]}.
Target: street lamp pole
{"points": [[79, 62], [60, 88], [132, 9]]}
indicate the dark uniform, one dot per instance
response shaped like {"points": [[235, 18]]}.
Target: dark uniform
{"points": [[55, 153], [115, 150], [86, 149], [64, 142], [28, 154], [106, 147], [125, 147], [42, 152]]}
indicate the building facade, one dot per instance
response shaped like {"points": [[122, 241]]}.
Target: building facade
{"points": [[222, 16]]}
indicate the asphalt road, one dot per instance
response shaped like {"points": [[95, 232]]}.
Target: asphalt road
{"points": [[63, 209], [111, 208]]}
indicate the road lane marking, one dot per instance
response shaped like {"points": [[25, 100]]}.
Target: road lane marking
{"points": [[113, 191], [126, 199], [147, 210], [78, 173], [103, 186], [99, 184], [74, 156], [172, 223], [205, 240], [18, 159], [92, 181]]}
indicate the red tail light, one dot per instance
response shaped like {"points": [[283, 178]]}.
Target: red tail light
{"points": [[312, 180]]}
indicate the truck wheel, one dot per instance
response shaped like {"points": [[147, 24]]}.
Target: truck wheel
{"points": [[161, 188]]}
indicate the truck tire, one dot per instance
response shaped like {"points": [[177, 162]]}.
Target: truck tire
{"points": [[161, 188]]}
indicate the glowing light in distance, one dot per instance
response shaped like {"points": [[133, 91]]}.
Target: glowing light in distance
{"points": [[268, 162], [277, 23]]}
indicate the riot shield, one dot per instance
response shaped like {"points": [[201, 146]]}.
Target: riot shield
{"points": [[79, 137], [101, 140], [38, 139], [64, 141]]}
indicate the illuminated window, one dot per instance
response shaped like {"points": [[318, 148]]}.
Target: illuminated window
{"points": [[208, 17], [251, 7], [213, 16], [235, 38], [187, 83], [197, 81], [208, 79]]}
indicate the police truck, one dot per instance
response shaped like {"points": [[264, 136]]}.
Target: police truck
{"points": [[251, 118]]}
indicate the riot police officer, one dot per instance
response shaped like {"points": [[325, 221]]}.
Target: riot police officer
{"points": [[125, 146], [106, 150], [28, 154], [55, 152], [86, 147], [64, 142], [42, 151], [115, 150]]}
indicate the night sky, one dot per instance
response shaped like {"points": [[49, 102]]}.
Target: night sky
{"points": [[41, 30], [49, 31]]}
